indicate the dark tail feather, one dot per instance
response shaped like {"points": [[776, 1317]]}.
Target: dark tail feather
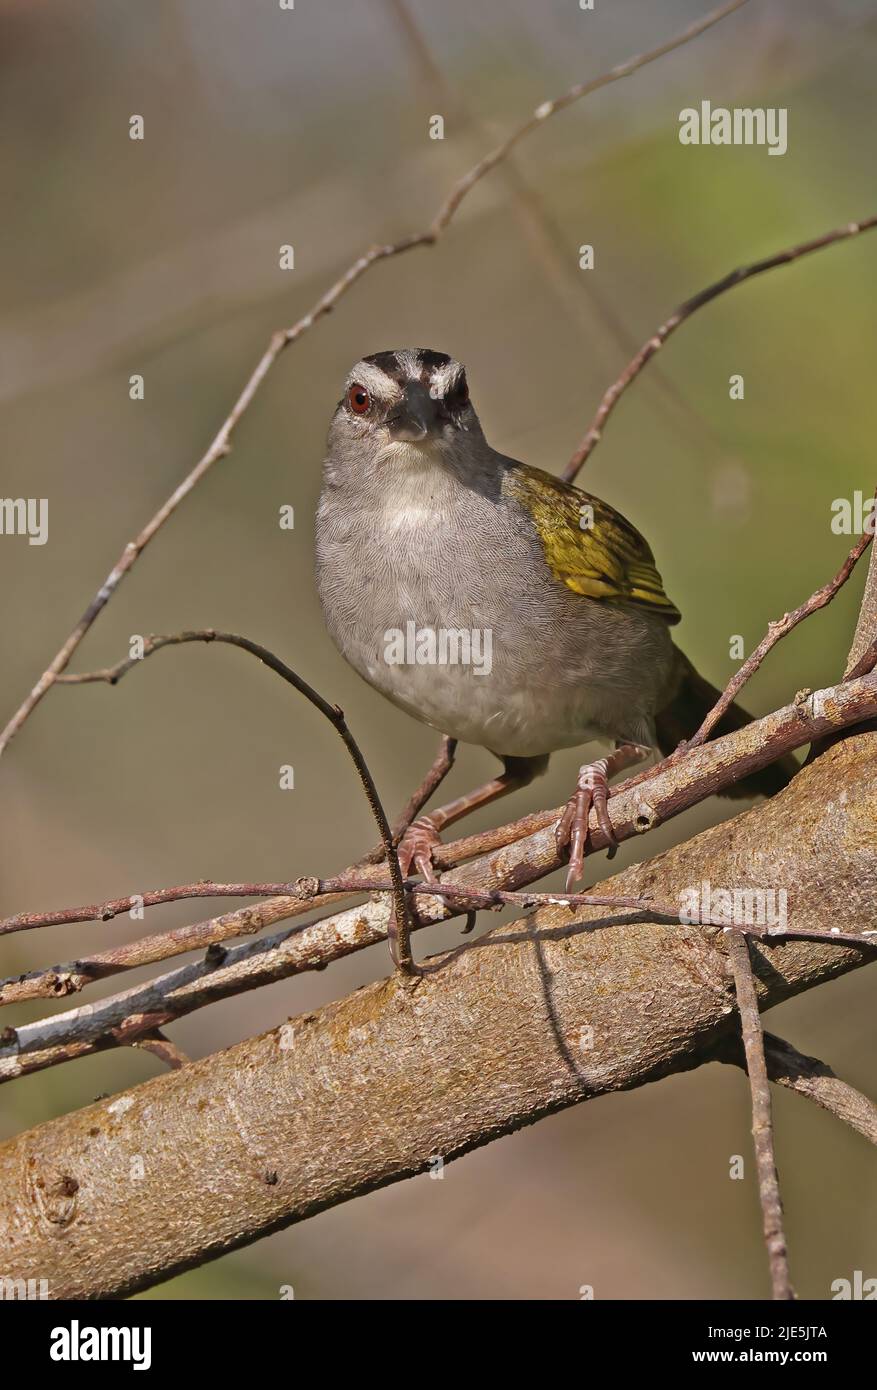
{"points": [[686, 712]]}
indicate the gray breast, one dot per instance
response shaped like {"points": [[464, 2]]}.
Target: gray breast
{"points": [[545, 668]]}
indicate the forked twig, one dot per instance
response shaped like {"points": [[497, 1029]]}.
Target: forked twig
{"points": [[775, 632], [111, 675], [613, 393]]}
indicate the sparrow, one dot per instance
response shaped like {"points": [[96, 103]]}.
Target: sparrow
{"points": [[495, 602]]}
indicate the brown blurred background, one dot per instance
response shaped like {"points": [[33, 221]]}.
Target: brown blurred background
{"points": [[264, 127]]}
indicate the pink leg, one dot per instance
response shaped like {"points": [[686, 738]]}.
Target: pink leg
{"points": [[422, 836], [592, 789]]}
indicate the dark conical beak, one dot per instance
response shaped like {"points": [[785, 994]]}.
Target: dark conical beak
{"points": [[416, 415]]}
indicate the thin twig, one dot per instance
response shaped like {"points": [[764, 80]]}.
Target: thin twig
{"points": [[113, 674], [62, 979], [762, 1124], [613, 393], [135, 902], [775, 632], [575, 93], [538, 1016], [161, 1047], [304, 888], [221, 445], [222, 972]]}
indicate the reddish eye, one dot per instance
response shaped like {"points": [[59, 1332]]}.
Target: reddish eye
{"points": [[358, 399]]}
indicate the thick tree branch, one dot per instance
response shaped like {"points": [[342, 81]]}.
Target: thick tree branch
{"points": [[809, 1077], [525, 1021]]}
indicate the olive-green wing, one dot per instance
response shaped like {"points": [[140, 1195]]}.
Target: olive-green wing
{"points": [[588, 545]]}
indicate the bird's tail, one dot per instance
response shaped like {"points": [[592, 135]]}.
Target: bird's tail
{"points": [[685, 713]]}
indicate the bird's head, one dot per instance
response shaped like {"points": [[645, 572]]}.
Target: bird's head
{"points": [[405, 406]]}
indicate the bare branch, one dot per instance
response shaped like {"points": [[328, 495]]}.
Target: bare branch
{"points": [[809, 1077], [113, 674], [508, 868], [575, 93], [64, 979], [161, 1047], [762, 1122], [533, 1017], [61, 980], [221, 445], [775, 632], [614, 392], [313, 891], [635, 794]]}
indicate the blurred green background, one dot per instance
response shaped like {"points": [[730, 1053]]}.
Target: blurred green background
{"points": [[264, 127]]}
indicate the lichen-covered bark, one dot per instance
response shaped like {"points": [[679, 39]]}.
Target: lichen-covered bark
{"points": [[533, 1017]]}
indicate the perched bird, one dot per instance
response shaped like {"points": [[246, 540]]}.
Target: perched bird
{"points": [[495, 602]]}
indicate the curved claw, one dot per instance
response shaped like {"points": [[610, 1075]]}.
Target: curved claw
{"points": [[416, 847], [592, 789]]}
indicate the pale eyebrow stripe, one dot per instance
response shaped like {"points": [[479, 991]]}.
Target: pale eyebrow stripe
{"points": [[377, 382]]}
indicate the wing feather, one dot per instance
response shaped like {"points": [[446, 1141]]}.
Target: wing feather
{"points": [[590, 546]]}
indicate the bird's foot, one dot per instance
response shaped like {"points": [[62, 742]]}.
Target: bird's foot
{"points": [[416, 847], [592, 789]]}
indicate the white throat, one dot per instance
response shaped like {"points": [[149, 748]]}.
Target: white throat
{"points": [[419, 484]]}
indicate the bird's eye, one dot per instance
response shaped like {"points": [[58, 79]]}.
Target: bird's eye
{"points": [[358, 399]]}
